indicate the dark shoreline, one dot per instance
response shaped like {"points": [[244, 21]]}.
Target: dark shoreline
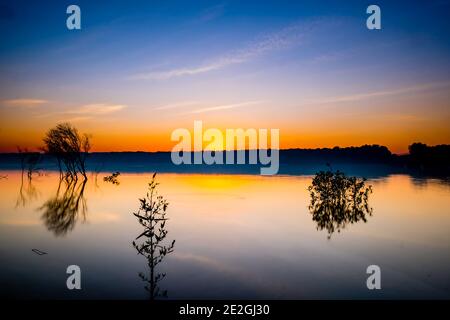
{"points": [[368, 161]]}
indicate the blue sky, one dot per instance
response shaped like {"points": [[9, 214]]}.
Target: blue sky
{"points": [[307, 67]]}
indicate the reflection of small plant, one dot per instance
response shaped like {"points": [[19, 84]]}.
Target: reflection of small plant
{"points": [[98, 168], [337, 200], [27, 193], [29, 161], [112, 178], [152, 216]]}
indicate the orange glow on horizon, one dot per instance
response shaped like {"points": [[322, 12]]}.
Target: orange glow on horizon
{"points": [[136, 135]]}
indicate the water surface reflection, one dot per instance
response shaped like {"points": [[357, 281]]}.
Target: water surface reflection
{"points": [[238, 236], [338, 200], [61, 212]]}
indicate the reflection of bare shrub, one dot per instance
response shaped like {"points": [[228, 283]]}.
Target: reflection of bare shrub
{"points": [[112, 178], [27, 193], [337, 200], [62, 211], [29, 161], [152, 216]]}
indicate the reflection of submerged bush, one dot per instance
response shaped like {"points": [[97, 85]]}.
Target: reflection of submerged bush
{"points": [[337, 200], [62, 211], [152, 216]]}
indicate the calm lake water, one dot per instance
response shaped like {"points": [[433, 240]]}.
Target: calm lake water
{"points": [[237, 236]]}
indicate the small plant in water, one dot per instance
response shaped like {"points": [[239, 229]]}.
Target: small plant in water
{"points": [[112, 178], [152, 216]]}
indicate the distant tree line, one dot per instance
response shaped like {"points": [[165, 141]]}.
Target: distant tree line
{"points": [[366, 153], [429, 158], [70, 149]]}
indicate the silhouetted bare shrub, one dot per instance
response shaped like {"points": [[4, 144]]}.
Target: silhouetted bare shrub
{"points": [[68, 147]]}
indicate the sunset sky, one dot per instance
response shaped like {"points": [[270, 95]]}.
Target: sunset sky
{"points": [[137, 70]]}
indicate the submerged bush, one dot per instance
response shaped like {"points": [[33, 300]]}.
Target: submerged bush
{"points": [[112, 178], [69, 148]]}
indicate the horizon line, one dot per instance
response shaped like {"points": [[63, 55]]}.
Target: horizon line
{"points": [[235, 150]]}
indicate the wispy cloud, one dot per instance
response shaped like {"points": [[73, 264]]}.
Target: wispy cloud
{"points": [[97, 109], [84, 112], [23, 102], [224, 107], [211, 13], [282, 39], [177, 105], [76, 119], [369, 95]]}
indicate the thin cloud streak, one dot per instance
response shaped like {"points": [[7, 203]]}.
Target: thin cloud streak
{"points": [[86, 112], [283, 39], [76, 119], [224, 107], [368, 95], [211, 13], [97, 109], [176, 105], [24, 102]]}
